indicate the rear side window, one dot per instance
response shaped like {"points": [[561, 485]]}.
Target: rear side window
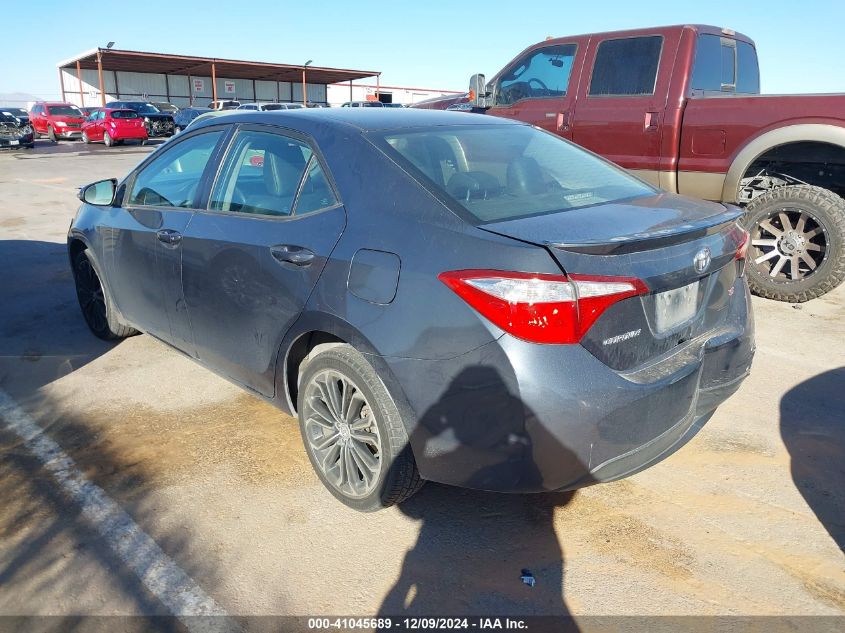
{"points": [[173, 177], [540, 74], [261, 175], [503, 172], [626, 67], [723, 64]]}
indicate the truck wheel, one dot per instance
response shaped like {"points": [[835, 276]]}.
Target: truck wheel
{"points": [[353, 432], [797, 250]]}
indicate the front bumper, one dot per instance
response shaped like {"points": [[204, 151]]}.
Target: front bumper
{"points": [[514, 416], [159, 127], [68, 132], [22, 141]]}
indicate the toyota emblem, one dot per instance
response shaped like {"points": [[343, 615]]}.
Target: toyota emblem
{"points": [[701, 261]]}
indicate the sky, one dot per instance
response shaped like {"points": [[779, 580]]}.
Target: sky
{"points": [[426, 44]]}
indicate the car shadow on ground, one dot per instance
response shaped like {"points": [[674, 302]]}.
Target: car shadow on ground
{"points": [[477, 552], [812, 425], [49, 546], [45, 147]]}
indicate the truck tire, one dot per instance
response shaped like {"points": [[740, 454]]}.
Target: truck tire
{"points": [[797, 249], [350, 426]]}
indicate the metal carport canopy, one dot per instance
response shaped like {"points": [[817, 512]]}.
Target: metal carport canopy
{"points": [[163, 63]]}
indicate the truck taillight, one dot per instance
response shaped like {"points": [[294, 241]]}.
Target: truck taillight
{"points": [[541, 308]]}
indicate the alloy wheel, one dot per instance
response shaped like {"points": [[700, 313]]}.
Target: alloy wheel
{"points": [[790, 244], [92, 300], [342, 433]]}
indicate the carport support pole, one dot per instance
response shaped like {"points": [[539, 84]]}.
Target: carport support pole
{"points": [[100, 76], [378, 86], [304, 93], [213, 82], [62, 83], [79, 80], [350, 91]]}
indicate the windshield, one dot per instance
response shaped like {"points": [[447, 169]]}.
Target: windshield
{"points": [[65, 110], [143, 108], [7, 118], [15, 111], [503, 172]]}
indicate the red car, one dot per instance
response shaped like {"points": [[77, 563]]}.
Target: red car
{"points": [[56, 120], [113, 126]]}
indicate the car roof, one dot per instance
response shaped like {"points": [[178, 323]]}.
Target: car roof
{"points": [[365, 119]]}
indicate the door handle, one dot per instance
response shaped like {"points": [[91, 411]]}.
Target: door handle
{"points": [[169, 237], [651, 120], [564, 120], [291, 254]]}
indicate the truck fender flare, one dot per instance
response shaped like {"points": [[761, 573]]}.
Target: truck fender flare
{"points": [[818, 132]]}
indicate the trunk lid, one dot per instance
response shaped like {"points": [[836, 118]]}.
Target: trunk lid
{"points": [[657, 239]]}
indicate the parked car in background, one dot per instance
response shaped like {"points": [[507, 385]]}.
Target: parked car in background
{"points": [[113, 126], [268, 107], [393, 105], [167, 108], [211, 114], [56, 120], [14, 133], [224, 105], [21, 115], [557, 322], [183, 118], [680, 106], [362, 104], [157, 123]]}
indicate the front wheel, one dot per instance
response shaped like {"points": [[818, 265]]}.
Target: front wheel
{"points": [[51, 134], [353, 432], [95, 302], [797, 250]]}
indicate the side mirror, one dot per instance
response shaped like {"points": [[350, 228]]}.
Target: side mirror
{"points": [[478, 95], [100, 193]]}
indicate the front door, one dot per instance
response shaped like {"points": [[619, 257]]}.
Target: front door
{"points": [[251, 260], [539, 88], [147, 236]]}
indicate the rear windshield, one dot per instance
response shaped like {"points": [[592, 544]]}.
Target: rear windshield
{"points": [[503, 172], [124, 114], [65, 110]]}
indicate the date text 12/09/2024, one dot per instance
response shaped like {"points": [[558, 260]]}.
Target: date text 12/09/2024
{"points": [[416, 623]]}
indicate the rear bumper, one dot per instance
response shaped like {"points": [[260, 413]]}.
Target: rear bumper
{"points": [[129, 134], [514, 416]]}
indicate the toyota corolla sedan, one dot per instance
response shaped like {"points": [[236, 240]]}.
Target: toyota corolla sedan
{"points": [[436, 296]]}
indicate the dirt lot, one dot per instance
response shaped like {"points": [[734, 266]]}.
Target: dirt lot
{"points": [[749, 518]]}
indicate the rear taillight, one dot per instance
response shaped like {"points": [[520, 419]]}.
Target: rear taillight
{"points": [[537, 307], [743, 239]]}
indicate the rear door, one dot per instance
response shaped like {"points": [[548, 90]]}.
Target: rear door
{"points": [[622, 99], [539, 87], [146, 235], [252, 258]]}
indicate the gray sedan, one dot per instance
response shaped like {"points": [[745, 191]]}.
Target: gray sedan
{"points": [[437, 296]]}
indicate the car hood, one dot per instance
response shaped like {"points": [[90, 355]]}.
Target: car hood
{"points": [[625, 225], [67, 119]]}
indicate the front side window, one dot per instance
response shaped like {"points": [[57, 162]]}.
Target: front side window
{"points": [[261, 174], [626, 67], [173, 177], [508, 171], [541, 74]]}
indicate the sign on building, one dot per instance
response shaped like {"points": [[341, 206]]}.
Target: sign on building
{"points": [[199, 85], [229, 87]]}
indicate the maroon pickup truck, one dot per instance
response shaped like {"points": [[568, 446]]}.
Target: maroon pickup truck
{"points": [[680, 106]]}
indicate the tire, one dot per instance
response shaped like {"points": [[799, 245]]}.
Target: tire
{"points": [[797, 249], [85, 138], [107, 139], [379, 424], [94, 301], [51, 134]]}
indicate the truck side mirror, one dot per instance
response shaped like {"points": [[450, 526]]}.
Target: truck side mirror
{"points": [[478, 94]]}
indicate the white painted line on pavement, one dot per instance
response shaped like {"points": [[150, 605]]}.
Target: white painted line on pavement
{"points": [[138, 551]]}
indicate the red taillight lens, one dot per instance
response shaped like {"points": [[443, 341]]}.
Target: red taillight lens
{"points": [[537, 307]]}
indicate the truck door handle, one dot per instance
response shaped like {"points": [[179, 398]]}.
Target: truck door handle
{"points": [[651, 120], [291, 254], [169, 237]]}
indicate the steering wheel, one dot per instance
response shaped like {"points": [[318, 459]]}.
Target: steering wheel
{"points": [[539, 82]]}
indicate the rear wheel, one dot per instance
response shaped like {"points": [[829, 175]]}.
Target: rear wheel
{"points": [[85, 138], [107, 139], [95, 302], [797, 250], [353, 432]]}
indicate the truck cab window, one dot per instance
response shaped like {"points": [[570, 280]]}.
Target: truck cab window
{"points": [[626, 67], [725, 65], [540, 74]]}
